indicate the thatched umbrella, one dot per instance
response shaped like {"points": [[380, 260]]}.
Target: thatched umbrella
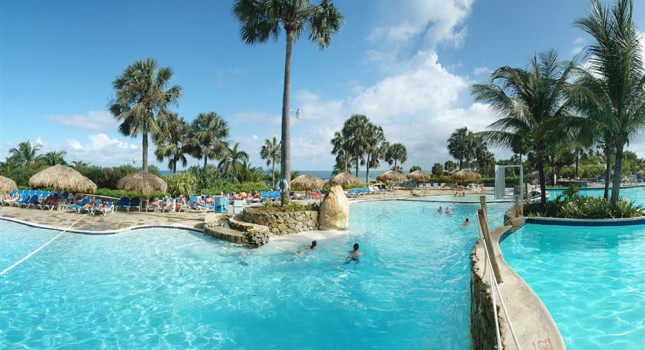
{"points": [[390, 176], [345, 180], [7, 185], [419, 176], [62, 178], [466, 175], [143, 182], [306, 182]]}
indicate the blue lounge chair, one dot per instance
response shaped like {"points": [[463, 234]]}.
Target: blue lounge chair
{"points": [[77, 207], [124, 203], [135, 203]]}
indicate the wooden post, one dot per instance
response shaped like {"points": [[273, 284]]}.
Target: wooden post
{"points": [[483, 222]]}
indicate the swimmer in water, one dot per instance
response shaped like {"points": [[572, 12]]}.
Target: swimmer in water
{"points": [[448, 211], [354, 255], [465, 223], [440, 210]]}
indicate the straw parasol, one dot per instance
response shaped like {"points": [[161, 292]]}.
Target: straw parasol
{"points": [[345, 180], [62, 178], [7, 185], [419, 176], [142, 182], [390, 176], [306, 182], [466, 175]]}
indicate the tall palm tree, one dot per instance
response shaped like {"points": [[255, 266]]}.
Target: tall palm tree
{"points": [[172, 141], [375, 149], [25, 154], [396, 152], [142, 99], [616, 76], [262, 19], [270, 152], [340, 150], [461, 146], [530, 102], [54, 158], [356, 134], [232, 163], [207, 137]]}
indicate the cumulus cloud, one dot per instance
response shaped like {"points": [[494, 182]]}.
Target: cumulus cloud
{"points": [[92, 121], [101, 149]]}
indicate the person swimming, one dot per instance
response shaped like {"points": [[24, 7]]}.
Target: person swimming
{"points": [[465, 223], [440, 210], [354, 255], [448, 211]]}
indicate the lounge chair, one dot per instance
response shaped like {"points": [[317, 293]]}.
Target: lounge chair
{"points": [[135, 203], [153, 207], [77, 207], [124, 203], [167, 205]]}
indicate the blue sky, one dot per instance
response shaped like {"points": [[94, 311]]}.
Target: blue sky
{"points": [[408, 67]]}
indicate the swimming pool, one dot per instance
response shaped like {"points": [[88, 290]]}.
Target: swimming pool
{"points": [[636, 193], [591, 279], [170, 288]]}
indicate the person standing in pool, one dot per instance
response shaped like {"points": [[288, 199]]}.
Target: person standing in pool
{"points": [[354, 255]]}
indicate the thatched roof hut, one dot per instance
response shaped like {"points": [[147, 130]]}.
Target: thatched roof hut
{"points": [[466, 175], [345, 180], [63, 178], [391, 176], [142, 182], [306, 182], [419, 176], [7, 185]]}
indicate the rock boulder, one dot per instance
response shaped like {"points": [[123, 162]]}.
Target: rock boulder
{"points": [[334, 210]]}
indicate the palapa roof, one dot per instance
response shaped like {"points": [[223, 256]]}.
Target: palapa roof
{"points": [[466, 175], [6, 184], [306, 182], [142, 182], [390, 176], [62, 177], [419, 176], [345, 180]]}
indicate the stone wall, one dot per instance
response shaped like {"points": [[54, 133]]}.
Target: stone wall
{"points": [[282, 223], [482, 319]]}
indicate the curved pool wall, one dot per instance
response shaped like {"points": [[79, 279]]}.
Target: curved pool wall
{"points": [[166, 288]]}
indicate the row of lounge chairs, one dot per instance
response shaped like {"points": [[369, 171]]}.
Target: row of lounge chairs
{"points": [[32, 199], [355, 192]]}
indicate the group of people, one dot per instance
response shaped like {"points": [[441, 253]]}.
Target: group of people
{"points": [[448, 210], [353, 255]]}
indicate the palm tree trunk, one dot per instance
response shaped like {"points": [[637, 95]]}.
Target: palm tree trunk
{"points": [[357, 164], [618, 166], [144, 145], [541, 175], [367, 169], [607, 171], [205, 161], [286, 141], [394, 163], [577, 161]]}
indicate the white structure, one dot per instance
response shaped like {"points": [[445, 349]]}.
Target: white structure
{"points": [[500, 181]]}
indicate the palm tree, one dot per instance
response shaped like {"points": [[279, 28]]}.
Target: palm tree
{"points": [[54, 158], [375, 148], [616, 76], [461, 147], [395, 153], [172, 141], [355, 132], [142, 99], [207, 135], [270, 152], [529, 101], [25, 154], [261, 20], [232, 162], [340, 149]]}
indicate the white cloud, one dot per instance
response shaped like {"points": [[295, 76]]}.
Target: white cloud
{"points": [[102, 150], [481, 71], [92, 120]]}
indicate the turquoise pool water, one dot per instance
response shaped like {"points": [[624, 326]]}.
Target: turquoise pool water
{"points": [[592, 280], [170, 288], [636, 194]]}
